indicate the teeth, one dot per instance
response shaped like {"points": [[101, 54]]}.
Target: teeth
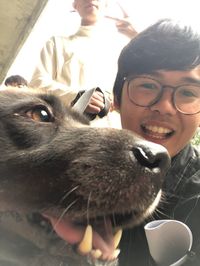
{"points": [[85, 245], [157, 129], [117, 238], [115, 254], [96, 253]]}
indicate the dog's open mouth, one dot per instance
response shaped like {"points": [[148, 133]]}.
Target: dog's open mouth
{"points": [[99, 238]]}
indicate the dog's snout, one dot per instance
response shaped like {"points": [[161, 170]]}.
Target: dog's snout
{"points": [[153, 156]]}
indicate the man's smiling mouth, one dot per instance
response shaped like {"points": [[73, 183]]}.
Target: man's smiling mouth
{"points": [[157, 132]]}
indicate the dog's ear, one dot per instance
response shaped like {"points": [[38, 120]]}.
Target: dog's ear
{"points": [[83, 101]]}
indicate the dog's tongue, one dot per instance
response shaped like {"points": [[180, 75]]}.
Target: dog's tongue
{"points": [[98, 240]]}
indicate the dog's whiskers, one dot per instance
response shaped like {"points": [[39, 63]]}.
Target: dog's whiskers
{"points": [[68, 193], [114, 221], [88, 205], [158, 212], [105, 223], [64, 212]]}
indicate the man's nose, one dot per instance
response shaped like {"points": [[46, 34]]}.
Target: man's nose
{"points": [[165, 104]]}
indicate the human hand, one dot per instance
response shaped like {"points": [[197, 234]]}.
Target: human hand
{"points": [[110, 98], [124, 24], [96, 103], [125, 27]]}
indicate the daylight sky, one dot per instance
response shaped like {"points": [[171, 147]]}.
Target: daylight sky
{"points": [[57, 19]]}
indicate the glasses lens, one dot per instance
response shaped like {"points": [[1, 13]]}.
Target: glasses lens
{"points": [[143, 91], [187, 99]]}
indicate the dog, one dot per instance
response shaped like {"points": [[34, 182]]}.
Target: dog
{"points": [[67, 189]]}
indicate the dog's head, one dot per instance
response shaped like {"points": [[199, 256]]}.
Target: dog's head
{"points": [[87, 182]]}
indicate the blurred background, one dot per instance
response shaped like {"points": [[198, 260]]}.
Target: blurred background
{"points": [[59, 18]]}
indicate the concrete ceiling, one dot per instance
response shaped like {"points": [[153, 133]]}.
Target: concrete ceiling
{"points": [[17, 18]]}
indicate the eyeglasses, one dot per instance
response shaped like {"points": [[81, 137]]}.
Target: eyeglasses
{"points": [[145, 92]]}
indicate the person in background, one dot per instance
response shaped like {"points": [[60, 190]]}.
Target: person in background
{"points": [[71, 65], [16, 81], [157, 92]]}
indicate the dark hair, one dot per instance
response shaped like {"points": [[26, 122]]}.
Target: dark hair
{"points": [[16, 79], [166, 45]]}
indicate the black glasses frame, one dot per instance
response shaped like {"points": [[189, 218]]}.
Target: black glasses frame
{"points": [[156, 100]]}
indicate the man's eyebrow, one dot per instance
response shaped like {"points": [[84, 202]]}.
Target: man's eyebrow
{"points": [[182, 80], [190, 80]]}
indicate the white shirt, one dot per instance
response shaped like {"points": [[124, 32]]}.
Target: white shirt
{"points": [[81, 61]]}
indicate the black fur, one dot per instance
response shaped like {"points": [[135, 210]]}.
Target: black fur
{"points": [[50, 158]]}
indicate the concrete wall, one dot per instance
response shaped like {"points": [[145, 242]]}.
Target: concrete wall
{"points": [[17, 17]]}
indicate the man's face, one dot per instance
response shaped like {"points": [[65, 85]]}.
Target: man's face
{"points": [[162, 123], [90, 10]]}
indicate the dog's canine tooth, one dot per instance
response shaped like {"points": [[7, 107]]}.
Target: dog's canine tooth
{"points": [[85, 246], [96, 253], [115, 254], [117, 238]]}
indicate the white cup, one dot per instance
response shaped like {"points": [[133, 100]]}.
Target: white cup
{"points": [[168, 241]]}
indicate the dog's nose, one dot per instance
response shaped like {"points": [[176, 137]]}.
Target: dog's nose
{"points": [[152, 156]]}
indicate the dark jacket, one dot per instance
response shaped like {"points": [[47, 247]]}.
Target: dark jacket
{"points": [[182, 202]]}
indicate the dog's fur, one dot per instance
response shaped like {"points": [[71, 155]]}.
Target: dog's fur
{"points": [[51, 160]]}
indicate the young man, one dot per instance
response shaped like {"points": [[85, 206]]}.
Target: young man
{"points": [[157, 91], [84, 60]]}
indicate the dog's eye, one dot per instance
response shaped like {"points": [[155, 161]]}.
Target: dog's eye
{"points": [[40, 114]]}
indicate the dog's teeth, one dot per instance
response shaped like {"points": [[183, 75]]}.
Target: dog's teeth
{"points": [[85, 245], [96, 253], [117, 238], [116, 253]]}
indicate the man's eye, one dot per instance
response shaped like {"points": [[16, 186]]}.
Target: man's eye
{"points": [[188, 93], [149, 86], [40, 114]]}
